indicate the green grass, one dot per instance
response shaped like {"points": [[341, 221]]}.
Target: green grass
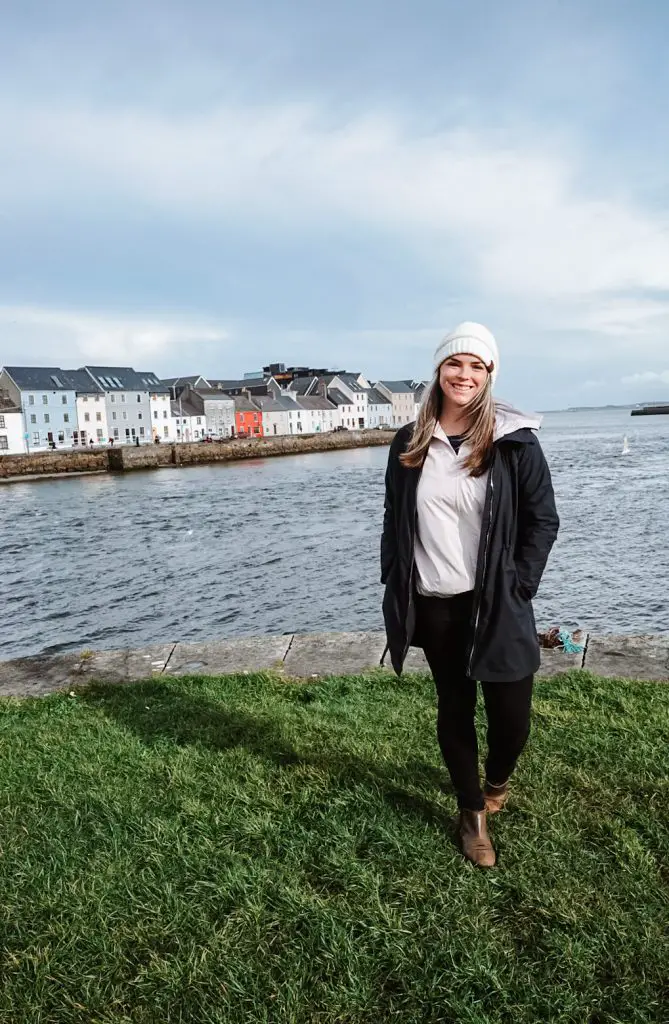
{"points": [[245, 850]]}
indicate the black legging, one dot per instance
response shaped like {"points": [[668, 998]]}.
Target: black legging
{"points": [[442, 629]]}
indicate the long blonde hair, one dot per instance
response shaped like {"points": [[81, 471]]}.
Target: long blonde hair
{"points": [[479, 434]]}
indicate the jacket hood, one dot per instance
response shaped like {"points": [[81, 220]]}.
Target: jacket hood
{"points": [[508, 420]]}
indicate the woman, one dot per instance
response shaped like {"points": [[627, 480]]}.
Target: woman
{"points": [[469, 522]]}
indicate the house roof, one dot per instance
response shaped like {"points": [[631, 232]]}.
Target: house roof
{"points": [[237, 385], [214, 394], [153, 384], [83, 383], [184, 408], [117, 378], [39, 378], [171, 382], [314, 402], [397, 387], [335, 396], [270, 404], [243, 404], [303, 385], [375, 397]]}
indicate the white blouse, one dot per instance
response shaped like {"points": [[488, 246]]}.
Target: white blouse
{"points": [[450, 513]]}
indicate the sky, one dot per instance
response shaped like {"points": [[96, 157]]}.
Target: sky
{"points": [[208, 187]]}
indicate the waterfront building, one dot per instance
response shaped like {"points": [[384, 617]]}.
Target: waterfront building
{"points": [[188, 421], [127, 402], [248, 417], [91, 410], [48, 402], [402, 396], [319, 415], [276, 414], [380, 409], [176, 383], [218, 408], [345, 407], [12, 428], [159, 405]]}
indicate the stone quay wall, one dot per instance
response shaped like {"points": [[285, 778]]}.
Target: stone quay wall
{"points": [[154, 456], [307, 656]]}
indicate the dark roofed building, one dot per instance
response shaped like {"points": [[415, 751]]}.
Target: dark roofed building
{"points": [[39, 378]]}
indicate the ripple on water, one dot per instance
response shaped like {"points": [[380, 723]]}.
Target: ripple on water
{"points": [[292, 545]]}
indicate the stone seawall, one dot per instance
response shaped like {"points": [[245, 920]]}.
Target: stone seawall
{"points": [[154, 456], [302, 656]]}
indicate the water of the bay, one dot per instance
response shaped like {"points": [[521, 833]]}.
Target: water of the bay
{"points": [[291, 544]]}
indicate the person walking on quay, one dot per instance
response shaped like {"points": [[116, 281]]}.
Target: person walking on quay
{"points": [[469, 522]]}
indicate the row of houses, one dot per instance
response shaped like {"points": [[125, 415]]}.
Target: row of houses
{"points": [[48, 407]]}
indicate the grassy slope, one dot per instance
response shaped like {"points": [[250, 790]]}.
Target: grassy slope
{"points": [[242, 850]]}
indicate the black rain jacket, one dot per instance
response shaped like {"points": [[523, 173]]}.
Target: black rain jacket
{"points": [[520, 525]]}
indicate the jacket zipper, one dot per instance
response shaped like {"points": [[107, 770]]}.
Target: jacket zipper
{"points": [[485, 566]]}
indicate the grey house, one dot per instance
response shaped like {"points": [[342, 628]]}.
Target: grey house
{"points": [[48, 401], [127, 400]]}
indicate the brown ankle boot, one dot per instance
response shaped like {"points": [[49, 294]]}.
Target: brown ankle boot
{"points": [[474, 839], [495, 796]]}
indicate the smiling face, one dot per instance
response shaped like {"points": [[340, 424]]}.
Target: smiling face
{"points": [[461, 379]]}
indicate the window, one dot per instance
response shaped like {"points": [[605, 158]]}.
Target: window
{"points": [[31, 399], [98, 417], [45, 399], [116, 432], [61, 436], [2, 422], [33, 418], [166, 431], [99, 434], [113, 415], [63, 399], [199, 420], [87, 417], [139, 398], [117, 382], [112, 398], [46, 417], [4, 443], [97, 398], [139, 415], [164, 414], [125, 415], [55, 380], [36, 437], [141, 431], [85, 398], [123, 398], [127, 431], [155, 414], [66, 417]]}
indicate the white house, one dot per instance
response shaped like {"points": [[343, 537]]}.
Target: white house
{"points": [[12, 429], [47, 399], [319, 415], [402, 397], [127, 402], [276, 414], [379, 409], [345, 408], [188, 421], [91, 410], [159, 405]]}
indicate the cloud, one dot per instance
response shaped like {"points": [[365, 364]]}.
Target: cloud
{"points": [[514, 207], [647, 377], [71, 337]]}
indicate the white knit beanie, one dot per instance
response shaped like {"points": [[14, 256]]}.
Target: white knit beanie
{"points": [[472, 339]]}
